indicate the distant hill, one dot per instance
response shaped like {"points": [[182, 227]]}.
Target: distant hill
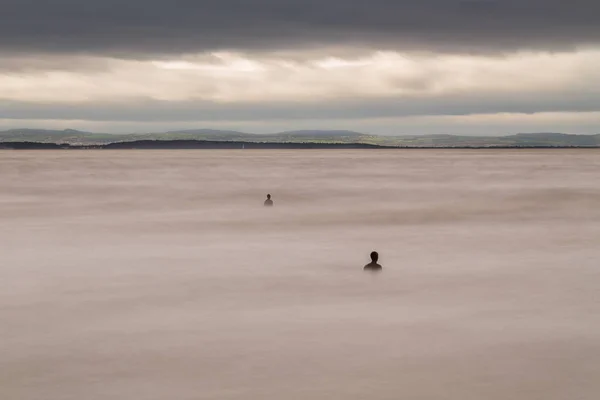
{"points": [[205, 144], [69, 136], [74, 137], [555, 139], [184, 144]]}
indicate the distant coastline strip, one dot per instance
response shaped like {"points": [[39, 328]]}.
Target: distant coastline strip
{"points": [[233, 145]]}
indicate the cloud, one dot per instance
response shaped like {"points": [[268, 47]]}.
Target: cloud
{"points": [[241, 87], [138, 28], [350, 109], [227, 78], [270, 62]]}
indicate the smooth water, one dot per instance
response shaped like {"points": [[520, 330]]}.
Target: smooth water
{"points": [[142, 275]]}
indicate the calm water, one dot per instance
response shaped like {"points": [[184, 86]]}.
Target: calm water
{"points": [[142, 275]]}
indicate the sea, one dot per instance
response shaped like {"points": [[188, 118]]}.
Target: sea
{"points": [[159, 275]]}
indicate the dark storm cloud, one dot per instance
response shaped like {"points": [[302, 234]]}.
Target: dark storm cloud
{"points": [[138, 27], [151, 110]]}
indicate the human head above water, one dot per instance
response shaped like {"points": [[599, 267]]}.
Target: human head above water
{"points": [[374, 256]]}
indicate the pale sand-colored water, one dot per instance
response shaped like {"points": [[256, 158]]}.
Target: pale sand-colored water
{"points": [[143, 275]]}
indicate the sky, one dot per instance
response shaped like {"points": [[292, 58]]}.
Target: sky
{"points": [[393, 67]]}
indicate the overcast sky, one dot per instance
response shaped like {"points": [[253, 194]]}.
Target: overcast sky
{"points": [[379, 66]]}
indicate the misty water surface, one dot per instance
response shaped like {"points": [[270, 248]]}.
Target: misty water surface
{"points": [[147, 275]]}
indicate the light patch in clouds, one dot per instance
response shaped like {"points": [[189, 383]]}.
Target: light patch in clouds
{"points": [[242, 78]]}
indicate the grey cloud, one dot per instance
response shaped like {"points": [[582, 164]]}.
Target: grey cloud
{"points": [[349, 109], [134, 28], [25, 63]]}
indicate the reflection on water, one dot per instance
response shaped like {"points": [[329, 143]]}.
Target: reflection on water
{"points": [[160, 275]]}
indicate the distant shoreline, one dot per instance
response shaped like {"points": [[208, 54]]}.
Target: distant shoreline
{"points": [[236, 145], [307, 139]]}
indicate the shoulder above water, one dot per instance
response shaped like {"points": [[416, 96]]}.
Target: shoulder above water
{"points": [[373, 267]]}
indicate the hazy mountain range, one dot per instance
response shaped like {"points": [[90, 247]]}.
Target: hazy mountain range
{"points": [[75, 137]]}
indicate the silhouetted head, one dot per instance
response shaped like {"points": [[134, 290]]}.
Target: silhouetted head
{"points": [[268, 196], [374, 256]]}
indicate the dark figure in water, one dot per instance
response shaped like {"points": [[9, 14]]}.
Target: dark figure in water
{"points": [[268, 201], [373, 266]]}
